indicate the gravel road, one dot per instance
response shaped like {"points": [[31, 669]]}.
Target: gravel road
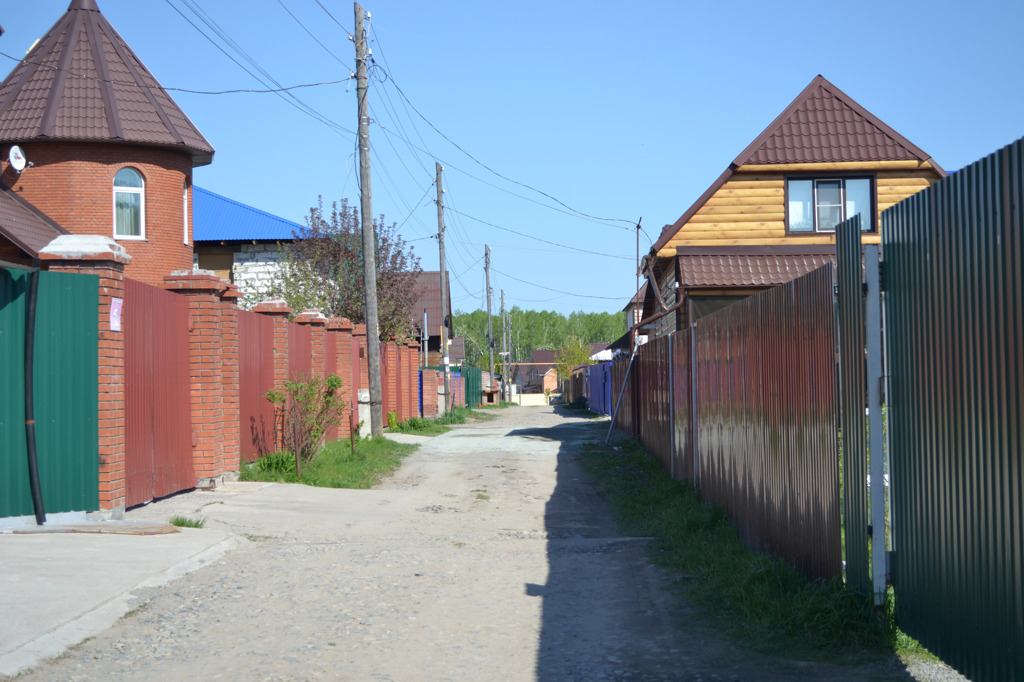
{"points": [[487, 556]]}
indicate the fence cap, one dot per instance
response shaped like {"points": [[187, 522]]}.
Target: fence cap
{"points": [[273, 306], [311, 317], [195, 280], [341, 323], [84, 247]]}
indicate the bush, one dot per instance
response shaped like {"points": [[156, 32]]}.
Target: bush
{"points": [[306, 410]]}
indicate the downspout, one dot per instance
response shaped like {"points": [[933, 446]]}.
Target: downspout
{"points": [[30, 417]]}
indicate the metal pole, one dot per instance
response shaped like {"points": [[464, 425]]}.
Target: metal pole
{"points": [[625, 382], [504, 350], [873, 329], [490, 325], [369, 258], [425, 339], [444, 294]]}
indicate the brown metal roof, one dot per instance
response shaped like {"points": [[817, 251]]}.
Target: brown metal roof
{"points": [[428, 285], [24, 225], [822, 125], [82, 82], [750, 267]]}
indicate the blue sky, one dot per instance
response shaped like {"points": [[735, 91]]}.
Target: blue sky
{"points": [[617, 111]]}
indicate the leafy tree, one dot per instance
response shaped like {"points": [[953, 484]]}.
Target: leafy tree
{"points": [[323, 269], [572, 353], [534, 330]]}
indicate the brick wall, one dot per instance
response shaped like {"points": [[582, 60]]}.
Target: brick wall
{"points": [[73, 183]]}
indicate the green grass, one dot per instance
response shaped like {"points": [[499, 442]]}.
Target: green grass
{"points": [[335, 467], [186, 522], [500, 406], [755, 598]]}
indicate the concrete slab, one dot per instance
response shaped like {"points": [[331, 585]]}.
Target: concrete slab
{"points": [[71, 582]]}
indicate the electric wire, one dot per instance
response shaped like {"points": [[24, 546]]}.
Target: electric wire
{"points": [[285, 95], [142, 86], [494, 172], [545, 241], [303, 26], [558, 291]]}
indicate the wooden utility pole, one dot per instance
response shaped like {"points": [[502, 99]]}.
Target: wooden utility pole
{"points": [[490, 326], [444, 294], [369, 258], [505, 395]]}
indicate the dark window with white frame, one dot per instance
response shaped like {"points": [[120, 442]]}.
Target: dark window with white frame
{"points": [[129, 205], [819, 204]]}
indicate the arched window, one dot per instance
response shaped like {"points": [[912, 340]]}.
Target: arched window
{"points": [[129, 205]]}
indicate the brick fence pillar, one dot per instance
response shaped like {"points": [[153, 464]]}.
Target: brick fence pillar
{"points": [[361, 361], [278, 310], [203, 291], [341, 329], [230, 391], [317, 322], [105, 258]]}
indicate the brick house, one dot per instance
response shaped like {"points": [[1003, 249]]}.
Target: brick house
{"points": [[110, 152]]}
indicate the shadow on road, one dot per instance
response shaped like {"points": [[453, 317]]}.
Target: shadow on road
{"points": [[601, 615]]}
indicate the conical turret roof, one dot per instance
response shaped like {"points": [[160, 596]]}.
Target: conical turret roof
{"points": [[81, 82]]}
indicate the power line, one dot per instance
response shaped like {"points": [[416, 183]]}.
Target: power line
{"points": [[142, 86], [558, 291], [491, 170], [326, 49], [285, 95], [523, 234]]}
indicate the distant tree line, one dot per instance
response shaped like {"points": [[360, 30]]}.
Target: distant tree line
{"points": [[534, 330]]}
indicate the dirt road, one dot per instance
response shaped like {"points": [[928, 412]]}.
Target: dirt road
{"points": [[488, 556]]}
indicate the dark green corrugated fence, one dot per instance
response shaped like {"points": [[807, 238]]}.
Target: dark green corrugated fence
{"points": [[474, 386], [954, 315], [65, 392]]}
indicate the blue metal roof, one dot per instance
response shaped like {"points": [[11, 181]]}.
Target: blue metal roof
{"points": [[217, 218]]}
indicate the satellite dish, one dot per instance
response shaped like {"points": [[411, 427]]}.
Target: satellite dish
{"points": [[17, 158]]}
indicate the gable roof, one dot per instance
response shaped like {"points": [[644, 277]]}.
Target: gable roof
{"points": [[217, 218], [24, 225], [822, 125], [81, 82], [428, 285]]}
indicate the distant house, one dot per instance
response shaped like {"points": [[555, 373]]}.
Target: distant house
{"points": [[771, 216], [239, 243], [428, 285], [539, 373]]}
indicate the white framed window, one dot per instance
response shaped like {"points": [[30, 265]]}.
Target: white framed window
{"points": [[819, 204], [129, 204], [184, 211]]}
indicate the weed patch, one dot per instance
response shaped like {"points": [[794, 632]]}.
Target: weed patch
{"points": [[186, 522], [336, 466], [759, 600]]}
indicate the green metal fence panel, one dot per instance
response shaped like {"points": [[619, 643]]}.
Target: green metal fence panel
{"points": [[474, 386], [852, 393], [65, 392], [954, 315]]}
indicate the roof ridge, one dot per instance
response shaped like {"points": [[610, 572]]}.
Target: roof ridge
{"points": [[819, 82], [202, 190]]}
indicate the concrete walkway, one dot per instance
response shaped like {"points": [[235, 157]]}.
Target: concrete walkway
{"points": [[69, 580]]}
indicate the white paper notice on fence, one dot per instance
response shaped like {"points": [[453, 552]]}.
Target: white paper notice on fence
{"points": [[115, 314]]}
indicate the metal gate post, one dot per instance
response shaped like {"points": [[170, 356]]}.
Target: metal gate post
{"points": [[873, 331]]}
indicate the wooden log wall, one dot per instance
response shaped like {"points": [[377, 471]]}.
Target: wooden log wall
{"points": [[749, 209]]}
